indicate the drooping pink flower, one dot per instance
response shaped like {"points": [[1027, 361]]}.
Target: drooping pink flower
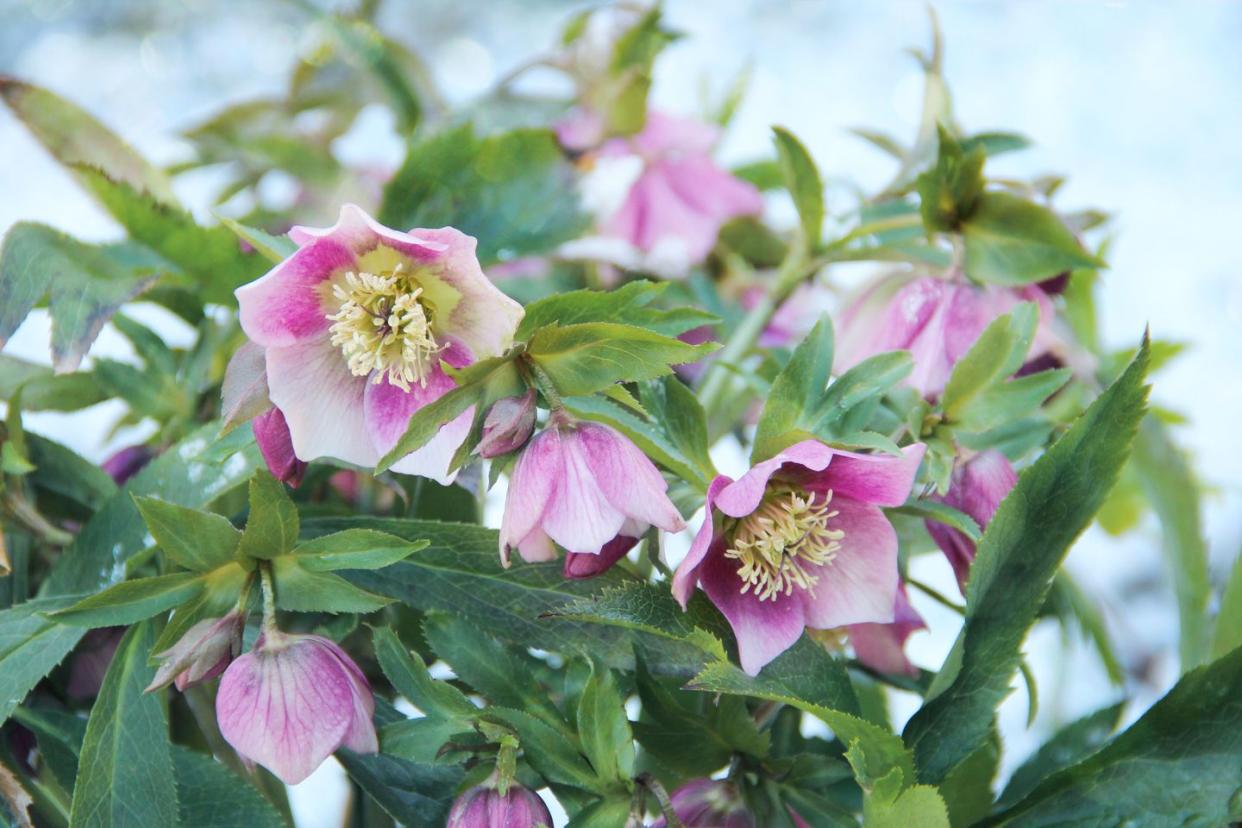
{"points": [[203, 653], [484, 806], [882, 646], [293, 700], [937, 321], [709, 803], [800, 541], [271, 432], [681, 198], [584, 486], [977, 488], [356, 325]]}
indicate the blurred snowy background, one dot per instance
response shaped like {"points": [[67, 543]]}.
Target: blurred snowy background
{"points": [[1137, 101]]}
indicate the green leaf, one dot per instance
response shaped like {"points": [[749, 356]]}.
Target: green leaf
{"points": [[209, 795], [126, 775], [272, 527], [803, 182], [305, 591], [1052, 503], [367, 47], [273, 248], [1011, 241], [629, 304], [1229, 620], [90, 283], [417, 795], [31, 645], [1072, 743], [355, 549], [198, 541], [967, 791], [74, 137], [211, 256], [45, 390], [1180, 764], [676, 408], [132, 601], [604, 728], [602, 813], [796, 392], [67, 474], [513, 191], [1173, 492], [941, 513], [998, 352], [995, 143], [951, 192], [586, 358], [1013, 400], [548, 751], [889, 801], [869, 378], [408, 674]]}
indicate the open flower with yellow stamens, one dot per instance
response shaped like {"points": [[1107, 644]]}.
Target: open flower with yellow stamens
{"points": [[356, 327], [799, 542]]}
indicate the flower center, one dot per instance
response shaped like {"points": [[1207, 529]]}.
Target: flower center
{"points": [[383, 328], [780, 543]]}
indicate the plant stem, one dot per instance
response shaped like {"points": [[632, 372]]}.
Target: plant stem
{"points": [[269, 597]]}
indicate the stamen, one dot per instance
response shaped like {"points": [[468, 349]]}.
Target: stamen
{"points": [[782, 543], [383, 328]]}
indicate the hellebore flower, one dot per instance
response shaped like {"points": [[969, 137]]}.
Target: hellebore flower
{"points": [[681, 198], [708, 803], [127, 462], [508, 425], [882, 646], [484, 806], [271, 432], [201, 654], [355, 326], [293, 700], [977, 488], [937, 321], [589, 489], [800, 541]]}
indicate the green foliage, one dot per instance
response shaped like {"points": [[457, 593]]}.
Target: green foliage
{"points": [[1229, 620], [586, 358], [607, 739], [1072, 743], [630, 304], [131, 601], [272, 526], [950, 192], [801, 179], [31, 645], [198, 541], [888, 802], [1011, 241]]}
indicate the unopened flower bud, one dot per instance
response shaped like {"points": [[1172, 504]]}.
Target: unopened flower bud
{"points": [[708, 803], [127, 462], [484, 806], [271, 432], [508, 425], [201, 654]]}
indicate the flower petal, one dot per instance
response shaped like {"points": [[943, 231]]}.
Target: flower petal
{"points": [[388, 410], [531, 486], [743, 496], [629, 480], [764, 629], [285, 307], [882, 646], [322, 402], [686, 578], [872, 478], [579, 566], [860, 584], [579, 516]]}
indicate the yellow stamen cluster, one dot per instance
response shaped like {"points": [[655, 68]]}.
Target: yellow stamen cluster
{"points": [[383, 328], [781, 543]]}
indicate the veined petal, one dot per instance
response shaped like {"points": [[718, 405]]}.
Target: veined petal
{"points": [[322, 402], [579, 516], [871, 478], [743, 496], [764, 629], [388, 410], [531, 486], [860, 584], [686, 577], [629, 480], [285, 307]]}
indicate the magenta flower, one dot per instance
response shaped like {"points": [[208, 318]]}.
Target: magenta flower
{"points": [[977, 488], [356, 325], [937, 321], [293, 700], [589, 489], [201, 654], [882, 646], [708, 803], [271, 432], [800, 541], [681, 198], [483, 806], [127, 462]]}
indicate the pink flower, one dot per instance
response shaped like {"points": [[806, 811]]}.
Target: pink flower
{"points": [[356, 325], [589, 489], [127, 462], [483, 806], [937, 321], [882, 646], [508, 425], [681, 198], [292, 701], [271, 432], [977, 488], [800, 541], [708, 803], [201, 654]]}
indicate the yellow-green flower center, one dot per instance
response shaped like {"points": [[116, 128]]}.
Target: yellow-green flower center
{"points": [[383, 328], [783, 543]]}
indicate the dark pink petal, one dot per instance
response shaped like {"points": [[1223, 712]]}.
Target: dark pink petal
{"points": [[508, 425], [271, 432], [743, 496], [286, 307], [127, 462], [686, 578], [977, 488], [882, 646], [629, 480], [388, 409], [860, 584], [322, 403], [764, 629], [871, 478], [579, 566]]}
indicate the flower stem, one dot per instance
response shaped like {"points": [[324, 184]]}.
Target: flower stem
{"points": [[646, 780], [544, 383], [269, 598]]}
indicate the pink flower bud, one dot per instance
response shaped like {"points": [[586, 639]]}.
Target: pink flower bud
{"points": [[201, 654], [508, 425], [271, 432], [126, 463], [708, 803], [293, 700], [484, 806], [977, 488]]}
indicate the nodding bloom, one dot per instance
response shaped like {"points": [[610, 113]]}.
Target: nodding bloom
{"points": [[271, 432], [356, 327], [799, 542], [977, 488], [293, 700], [588, 488], [202, 653], [681, 198], [937, 321], [882, 646], [708, 803], [484, 806]]}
